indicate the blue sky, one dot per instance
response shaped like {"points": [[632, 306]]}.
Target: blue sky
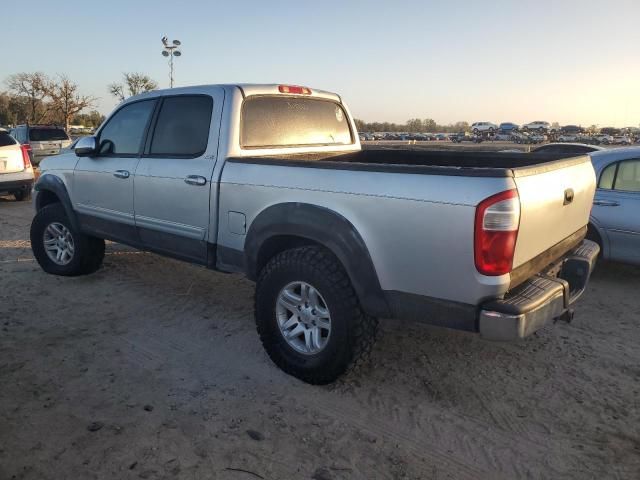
{"points": [[566, 61]]}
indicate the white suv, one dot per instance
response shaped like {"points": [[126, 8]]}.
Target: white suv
{"points": [[16, 172], [481, 127], [538, 126]]}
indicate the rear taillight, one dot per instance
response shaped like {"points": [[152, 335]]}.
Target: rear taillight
{"points": [[26, 155], [496, 231]]}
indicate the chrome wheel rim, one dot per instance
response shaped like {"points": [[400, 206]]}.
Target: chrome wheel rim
{"points": [[303, 318], [58, 243]]}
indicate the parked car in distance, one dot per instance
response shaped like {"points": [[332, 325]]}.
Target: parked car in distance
{"points": [[528, 137], [465, 137], [319, 223], [16, 172], [44, 140], [365, 137], [621, 140], [571, 130], [483, 127], [537, 125], [440, 137], [567, 148], [615, 223], [508, 127], [503, 136], [568, 137], [602, 138], [610, 131]]}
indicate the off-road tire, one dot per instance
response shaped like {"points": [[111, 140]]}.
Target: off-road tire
{"points": [[353, 332], [89, 251]]}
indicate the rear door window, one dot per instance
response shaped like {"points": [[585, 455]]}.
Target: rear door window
{"points": [[47, 134], [182, 129], [607, 176], [283, 121], [628, 176]]}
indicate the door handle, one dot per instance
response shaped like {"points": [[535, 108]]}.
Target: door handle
{"points": [[605, 203], [195, 180], [121, 174]]}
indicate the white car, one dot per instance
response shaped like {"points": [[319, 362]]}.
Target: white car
{"points": [[568, 137], [481, 127], [16, 172], [621, 140], [538, 125], [603, 138]]}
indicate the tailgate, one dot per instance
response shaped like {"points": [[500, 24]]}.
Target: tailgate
{"points": [[46, 148], [555, 202], [11, 159]]}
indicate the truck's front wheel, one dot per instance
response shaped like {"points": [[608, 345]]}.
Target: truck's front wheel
{"points": [[59, 248], [308, 315]]}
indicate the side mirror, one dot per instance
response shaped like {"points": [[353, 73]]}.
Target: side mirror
{"points": [[85, 147]]}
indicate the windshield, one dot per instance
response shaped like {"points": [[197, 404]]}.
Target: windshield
{"points": [[46, 134], [283, 121]]}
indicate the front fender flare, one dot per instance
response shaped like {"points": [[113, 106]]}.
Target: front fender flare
{"points": [[55, 185]]}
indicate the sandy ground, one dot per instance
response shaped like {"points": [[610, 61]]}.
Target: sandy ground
{"points": [[152, 368]]}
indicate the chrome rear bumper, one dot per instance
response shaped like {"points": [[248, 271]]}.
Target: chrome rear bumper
{"points": [[541, 299]]}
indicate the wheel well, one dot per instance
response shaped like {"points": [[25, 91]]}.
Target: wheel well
{"points": [[46, 197], [594, 235], [278, 244]]}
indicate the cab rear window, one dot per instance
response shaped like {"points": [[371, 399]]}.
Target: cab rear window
{"points": [[6, 139], [284, 121], [46, 134]]}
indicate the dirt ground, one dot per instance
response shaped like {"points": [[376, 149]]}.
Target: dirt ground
{"points": [[152, 368]]}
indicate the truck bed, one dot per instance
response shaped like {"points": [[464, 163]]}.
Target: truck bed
{"points": [[492, 164]]}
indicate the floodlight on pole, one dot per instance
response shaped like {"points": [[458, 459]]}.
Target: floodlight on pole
{"points": [[170, 50]]}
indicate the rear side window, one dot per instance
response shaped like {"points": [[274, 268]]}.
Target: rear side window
{"points": [[283, 121], [6, 139], [628, 176], [47, 134], [607, 176], [182, 129]]}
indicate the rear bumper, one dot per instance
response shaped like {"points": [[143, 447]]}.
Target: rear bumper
{"points": [[541, 299], [16, 185]]}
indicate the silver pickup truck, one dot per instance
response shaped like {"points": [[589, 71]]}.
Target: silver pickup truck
{"points": [[270, 181]]}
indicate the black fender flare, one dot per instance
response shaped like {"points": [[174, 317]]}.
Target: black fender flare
{"points": [[329, 229], [55, 185]]}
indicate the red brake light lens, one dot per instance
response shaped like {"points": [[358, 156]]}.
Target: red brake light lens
{"points": [[26, 155], [496, 232], [295, 89]]}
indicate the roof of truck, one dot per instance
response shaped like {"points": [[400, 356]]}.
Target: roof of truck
{"points": [[247, 89]]}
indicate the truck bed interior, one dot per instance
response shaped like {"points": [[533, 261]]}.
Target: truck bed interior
{"points": [[422, 161]]}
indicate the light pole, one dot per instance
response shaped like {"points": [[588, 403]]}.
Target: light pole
{"points": [[170, 51]]}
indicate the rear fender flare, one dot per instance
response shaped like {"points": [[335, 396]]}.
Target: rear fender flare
{"points": [[325, 227]]}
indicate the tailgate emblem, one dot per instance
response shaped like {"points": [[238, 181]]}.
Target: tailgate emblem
{"points": [[568, 196]]}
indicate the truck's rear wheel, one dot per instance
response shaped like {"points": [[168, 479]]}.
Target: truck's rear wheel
{"points": [[59, 248], [308, 316]]}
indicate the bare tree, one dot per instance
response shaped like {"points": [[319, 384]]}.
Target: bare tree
{"points": [[34, 87], [65, 99], [134, 83]]}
